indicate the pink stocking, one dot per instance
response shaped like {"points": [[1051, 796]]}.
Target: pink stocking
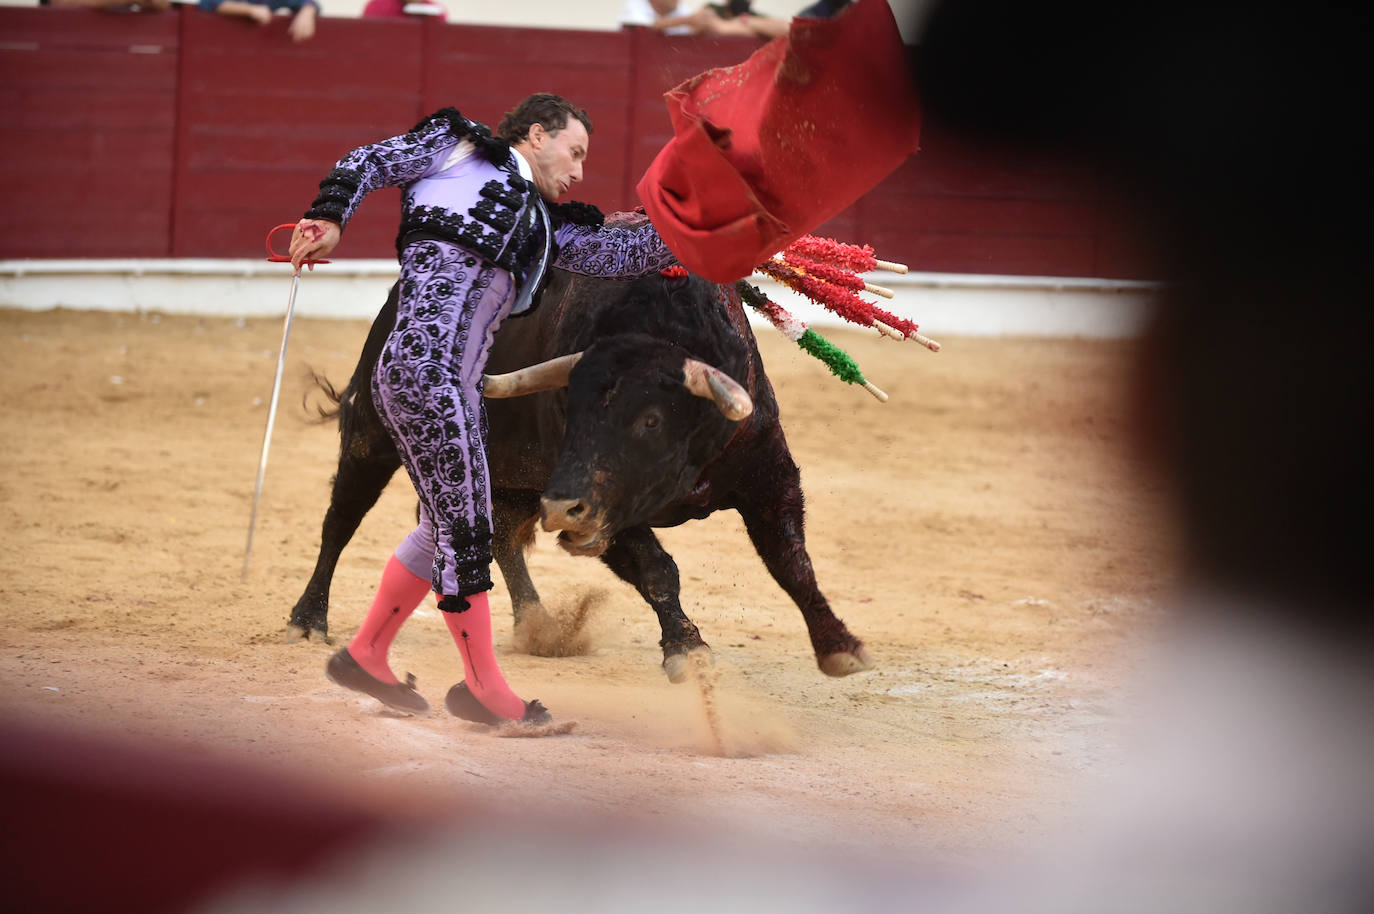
{"points": [[397, 596], [471, 629]]}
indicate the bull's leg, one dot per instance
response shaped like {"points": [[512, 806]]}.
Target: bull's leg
{"points": [[367, 461], [366, 465], [514, 512], [637, 557], [771, 505]]}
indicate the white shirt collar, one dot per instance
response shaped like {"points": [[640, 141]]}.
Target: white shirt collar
{"points": [[523, 164]]}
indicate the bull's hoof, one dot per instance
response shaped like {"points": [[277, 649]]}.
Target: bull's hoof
{"points": [[542, 634], [845, 663], [679, 666], [296, 632]]}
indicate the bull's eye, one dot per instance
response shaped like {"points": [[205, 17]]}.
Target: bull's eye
{"points": [[648, 422]]}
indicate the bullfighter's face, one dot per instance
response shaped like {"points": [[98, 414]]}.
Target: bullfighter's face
{"points": [[556, 158]]}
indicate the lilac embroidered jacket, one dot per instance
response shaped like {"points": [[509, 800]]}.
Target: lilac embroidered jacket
{"points": [[481, 202]]}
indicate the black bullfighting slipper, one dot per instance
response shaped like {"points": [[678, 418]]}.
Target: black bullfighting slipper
{"points": [[536, 713], [462, 703], [345, 671]]}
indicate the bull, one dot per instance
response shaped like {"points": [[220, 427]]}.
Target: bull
{"points": [[650, 431]]}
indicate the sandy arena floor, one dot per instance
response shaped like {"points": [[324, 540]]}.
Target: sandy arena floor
{"points": [[984, 532]]}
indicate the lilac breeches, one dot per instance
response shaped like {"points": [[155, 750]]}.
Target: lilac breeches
{"points": [[427, 389]]}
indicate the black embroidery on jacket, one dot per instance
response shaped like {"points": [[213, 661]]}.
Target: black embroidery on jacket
{"points": [[511, 194], [498, 207], [512, 250], [576, 213], [492, 148], [405, 159]]}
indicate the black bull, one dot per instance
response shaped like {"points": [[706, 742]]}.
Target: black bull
{"points": [[626, 447]]}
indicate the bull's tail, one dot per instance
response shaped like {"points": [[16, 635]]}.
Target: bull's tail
{"points": [[328, 410]]}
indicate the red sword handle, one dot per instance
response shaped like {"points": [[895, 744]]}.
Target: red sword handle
{"points": [[274, 257]]}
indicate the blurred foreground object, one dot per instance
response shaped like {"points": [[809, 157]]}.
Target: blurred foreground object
{"points": [[1248, 786]]}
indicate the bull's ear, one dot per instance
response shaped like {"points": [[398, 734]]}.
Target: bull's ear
{"points": [[710, 383], [530, 379]]}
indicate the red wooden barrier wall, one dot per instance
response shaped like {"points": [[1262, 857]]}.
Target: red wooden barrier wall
{"points": [[87, 133], [189, 135]]}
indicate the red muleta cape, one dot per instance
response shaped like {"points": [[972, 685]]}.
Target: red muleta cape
{"points": [[765, 151]]}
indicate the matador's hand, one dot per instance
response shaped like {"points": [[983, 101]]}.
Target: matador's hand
{"points": [[313, 239]]}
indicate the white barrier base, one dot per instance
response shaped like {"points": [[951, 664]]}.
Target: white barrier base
{"points": [[953, 304]]}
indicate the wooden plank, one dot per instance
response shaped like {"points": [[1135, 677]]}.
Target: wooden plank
{"points": [[236, 227], [894, 212], [231, 77], [277, 148], [942, 252], [47, 108], [483, 42], [122, 192], [96, 103], [671, 59], [87, 70], [264, 120], [485, 70], [75, 151], [288, 192], [87, 133], [51, 214], [948, 166], [67, 28], [380, 115], [84, 237]]}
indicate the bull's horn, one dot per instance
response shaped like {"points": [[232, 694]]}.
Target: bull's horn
{"points": [[531, 379], [711, 383]]}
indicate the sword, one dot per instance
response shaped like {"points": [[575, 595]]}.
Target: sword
{"points": [[274, 257]]}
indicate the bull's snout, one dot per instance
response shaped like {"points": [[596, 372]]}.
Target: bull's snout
{"points": [[563, 513], [581, 528]]}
